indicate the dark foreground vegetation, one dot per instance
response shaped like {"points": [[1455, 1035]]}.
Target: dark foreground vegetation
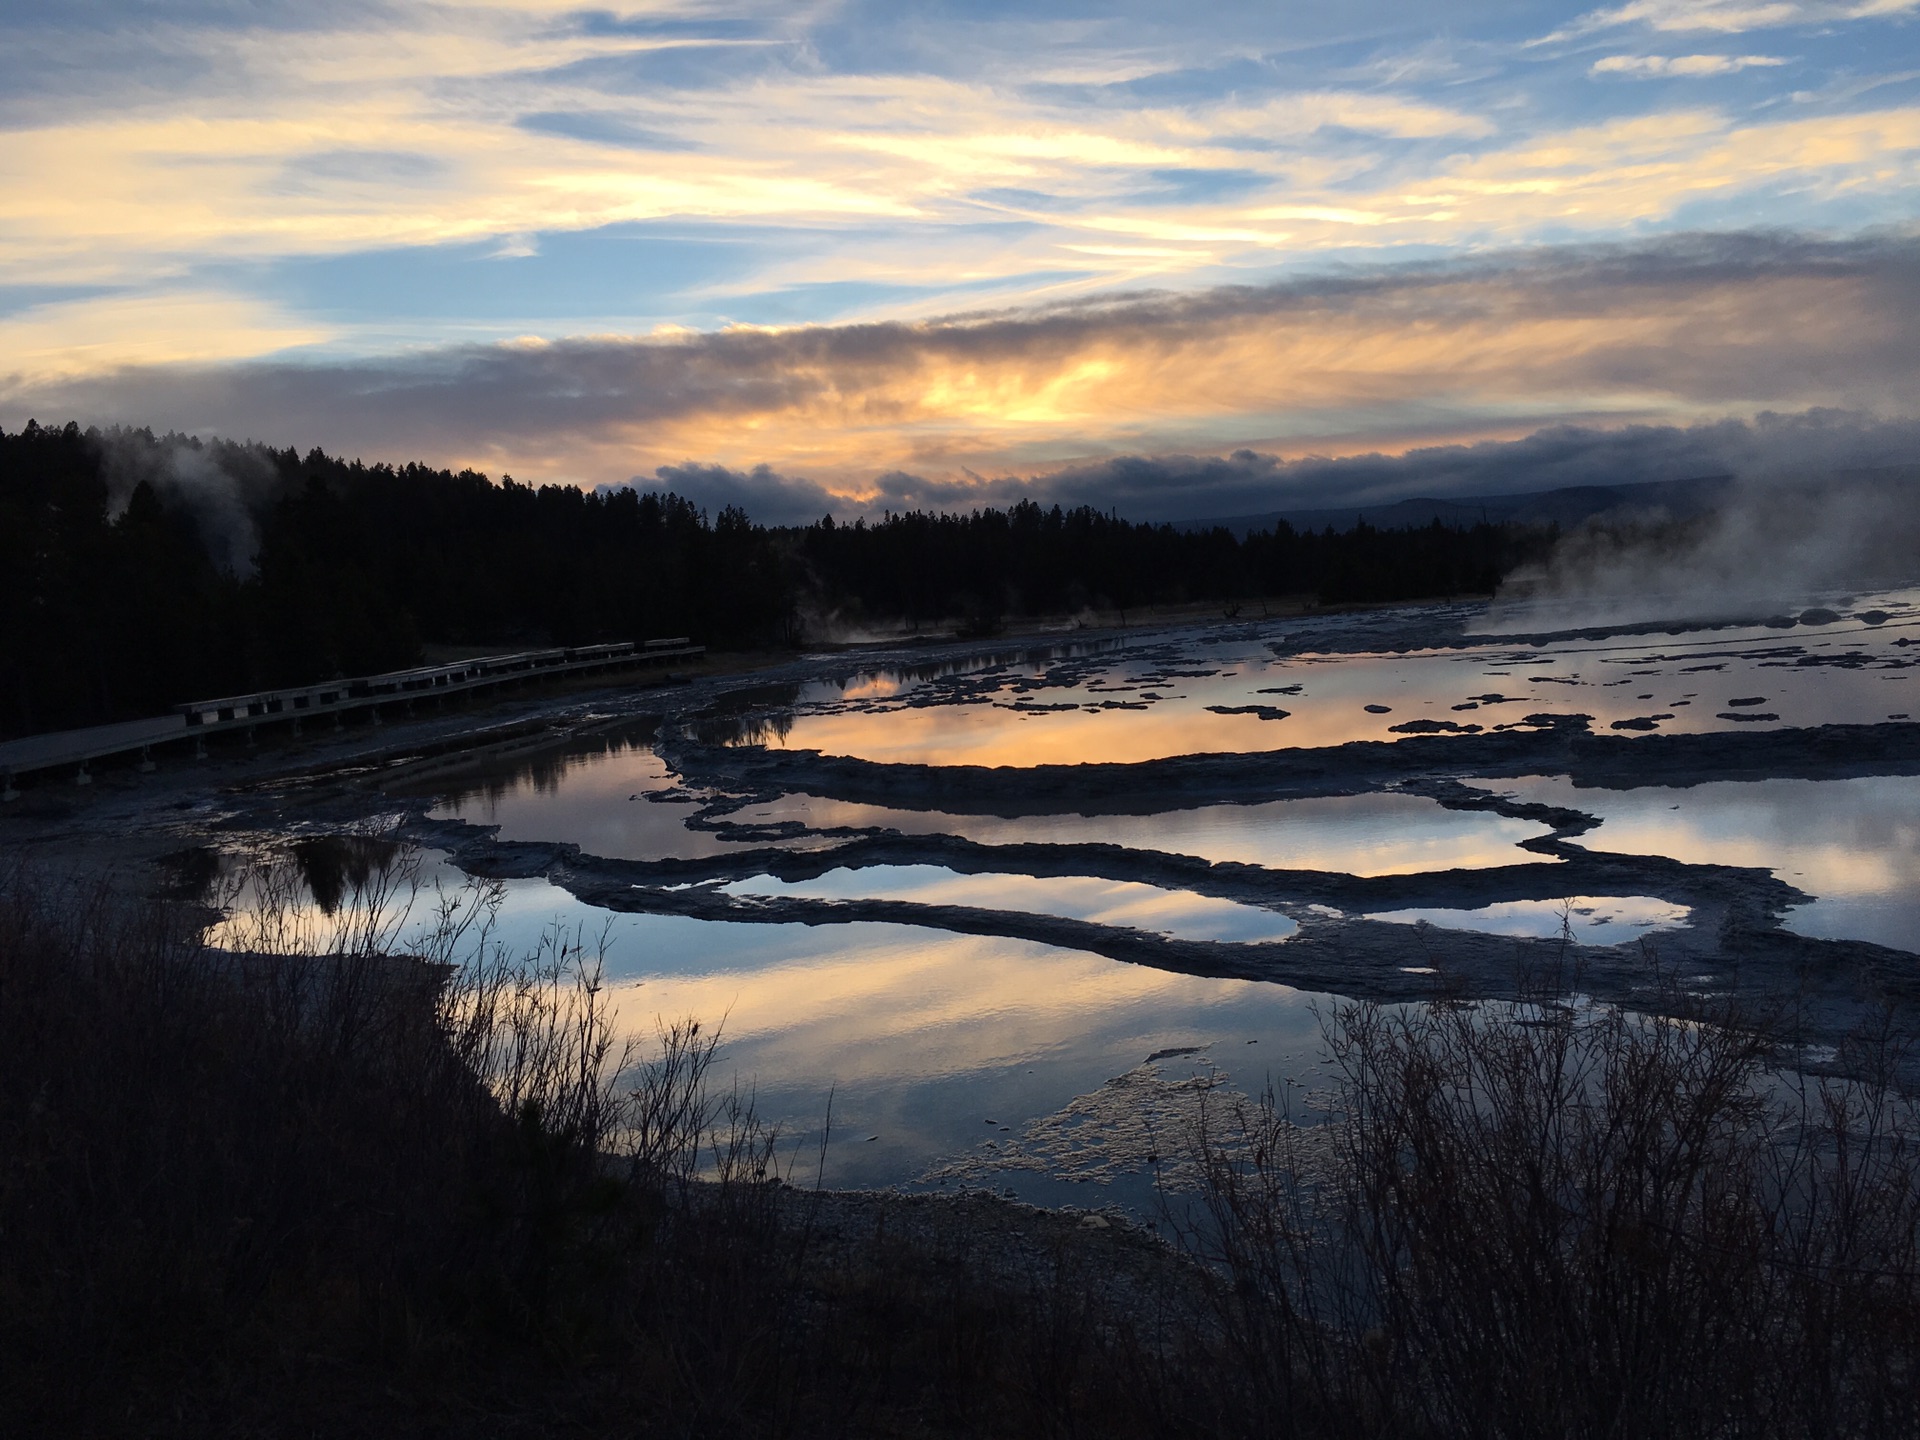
{"points": [[315, 1190], [137, 571]]}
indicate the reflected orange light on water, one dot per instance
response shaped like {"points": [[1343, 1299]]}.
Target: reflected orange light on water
{"points": [[916, 1004], [1378, 834], [1123, 903], [1833, 838]]}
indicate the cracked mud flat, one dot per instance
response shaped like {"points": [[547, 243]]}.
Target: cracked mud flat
{"points": [[1346, 776]]}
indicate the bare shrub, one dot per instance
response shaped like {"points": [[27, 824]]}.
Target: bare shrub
{"points": [[1553, 1218], [318, 1142]]}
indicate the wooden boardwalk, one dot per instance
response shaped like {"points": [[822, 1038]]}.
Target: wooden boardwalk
{"points": [[295, 705]]}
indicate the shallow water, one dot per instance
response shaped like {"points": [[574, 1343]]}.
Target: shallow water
{"points": [[616, 800], [1376, 834], [1853, 844], [1246, 691], [910, 1041], [1584, 919], [922, 1038], [1177, 913], [620, 801]]}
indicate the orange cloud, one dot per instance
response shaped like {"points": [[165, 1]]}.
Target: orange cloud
{"points": [[1670, 331]]}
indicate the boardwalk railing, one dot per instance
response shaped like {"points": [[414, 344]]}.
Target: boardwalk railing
{"points": [[295, 704]]}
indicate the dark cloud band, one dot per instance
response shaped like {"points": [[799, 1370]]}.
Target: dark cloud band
{"points": [[1683, 327]]}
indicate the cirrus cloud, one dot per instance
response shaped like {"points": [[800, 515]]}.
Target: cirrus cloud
{"points": [[1656, 65]]}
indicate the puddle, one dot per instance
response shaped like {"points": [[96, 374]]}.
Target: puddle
{"points": [[1590, 919], [616, 799], [1379, 834], [1180, 914], [1853, 844]]}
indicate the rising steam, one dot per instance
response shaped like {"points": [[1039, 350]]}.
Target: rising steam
{"points": [[1773, 544], [219, 483]]}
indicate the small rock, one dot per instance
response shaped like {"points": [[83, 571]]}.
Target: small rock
{"points": [[1265, 712]]}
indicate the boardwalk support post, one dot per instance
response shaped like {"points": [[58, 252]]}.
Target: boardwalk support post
{"points": [[146, 765]]}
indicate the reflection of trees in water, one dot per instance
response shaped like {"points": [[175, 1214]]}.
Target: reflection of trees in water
{"points": [[978, 662], [781, 696], [191, 874], [545, 771], [331, 865], [766, 714], [752, 715], [368, 898], [755, 729], [341, 894], [329, 868]]}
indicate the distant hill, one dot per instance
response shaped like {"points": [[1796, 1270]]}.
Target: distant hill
{"points": [[1566, 507]]}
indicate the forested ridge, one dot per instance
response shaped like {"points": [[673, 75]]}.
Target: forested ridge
{"points": [[138, 571]]}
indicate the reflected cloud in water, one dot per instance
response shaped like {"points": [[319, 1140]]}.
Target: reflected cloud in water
{"points": [[1854, 844], [1375, 834], [1586, 919], [612, 796], [1179, 913], [913, 1036]]}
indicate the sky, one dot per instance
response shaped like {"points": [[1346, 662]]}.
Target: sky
{"points": [[1178, 259]]}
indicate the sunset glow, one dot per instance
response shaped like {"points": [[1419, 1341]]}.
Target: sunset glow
{"points": [[970, 248]]}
